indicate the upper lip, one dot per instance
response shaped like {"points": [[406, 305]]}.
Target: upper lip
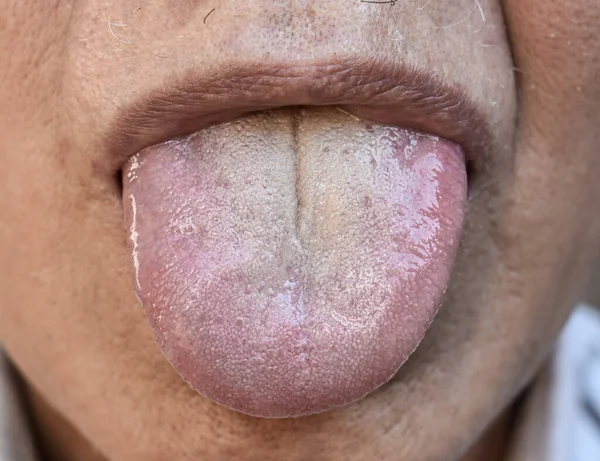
{"points": [[381, 92]]}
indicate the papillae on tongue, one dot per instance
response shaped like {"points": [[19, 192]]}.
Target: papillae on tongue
{"points": [[290, 261]]}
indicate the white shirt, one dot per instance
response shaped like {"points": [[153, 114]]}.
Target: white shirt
{"points": [[561, 420]]}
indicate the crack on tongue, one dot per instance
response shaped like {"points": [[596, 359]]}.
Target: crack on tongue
{"points": [[301, 307], [296, 118]]}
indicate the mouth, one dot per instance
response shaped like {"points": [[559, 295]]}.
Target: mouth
{"points": [[293, 227]]}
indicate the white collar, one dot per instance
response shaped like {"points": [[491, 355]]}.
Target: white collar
{"points": [[561, 419]]}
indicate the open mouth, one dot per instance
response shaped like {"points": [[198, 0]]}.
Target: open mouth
{"points": [[291, 257]]}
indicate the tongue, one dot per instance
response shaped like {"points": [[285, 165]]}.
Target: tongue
{"points": [[290, 262]]}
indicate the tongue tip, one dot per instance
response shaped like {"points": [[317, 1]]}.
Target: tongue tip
{"points": [[287, 385], [290, 407], [286, 405]]}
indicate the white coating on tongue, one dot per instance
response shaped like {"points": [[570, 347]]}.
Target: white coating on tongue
{"points": [[290, 262]]}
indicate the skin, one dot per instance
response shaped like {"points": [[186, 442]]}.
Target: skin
{"points": [[69, 318]]}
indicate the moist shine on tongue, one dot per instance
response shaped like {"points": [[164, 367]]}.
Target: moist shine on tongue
{"points": [[289, 262]]}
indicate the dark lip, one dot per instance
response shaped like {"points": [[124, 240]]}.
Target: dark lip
{"points": [[373, 90]]}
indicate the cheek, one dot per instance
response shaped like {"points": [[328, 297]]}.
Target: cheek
{"points": [[68, 315]]}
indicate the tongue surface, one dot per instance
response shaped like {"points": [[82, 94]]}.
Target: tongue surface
{"points": [[290, 262]]}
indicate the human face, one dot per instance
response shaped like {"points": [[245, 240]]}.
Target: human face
{"points": [[87, 85]]}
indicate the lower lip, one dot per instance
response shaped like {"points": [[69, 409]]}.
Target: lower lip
{"points": [[291, 261]]}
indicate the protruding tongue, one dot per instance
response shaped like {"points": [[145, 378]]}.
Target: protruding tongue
{"points": [[289, 262]]}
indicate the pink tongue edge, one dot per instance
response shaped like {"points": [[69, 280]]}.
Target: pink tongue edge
{"points": [[183, 353]]}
